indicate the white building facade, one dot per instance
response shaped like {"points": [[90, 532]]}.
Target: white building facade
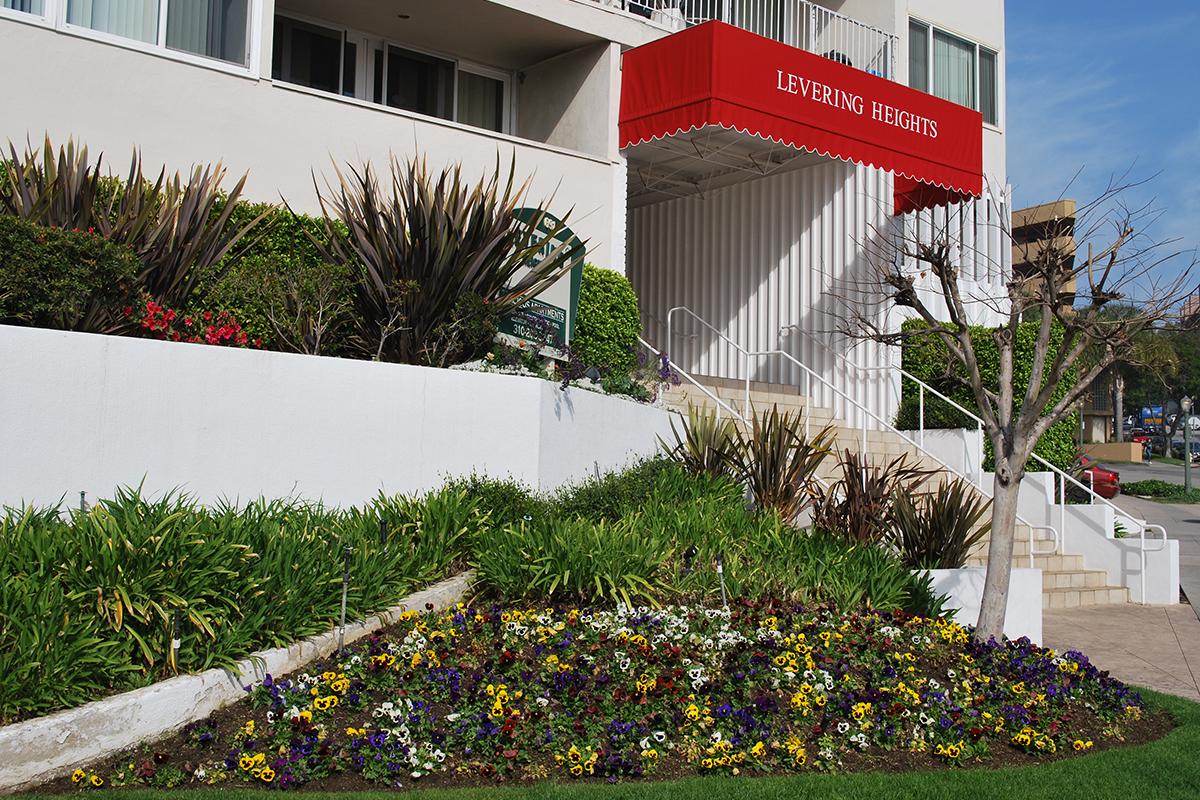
{"points": [[762, 242]]}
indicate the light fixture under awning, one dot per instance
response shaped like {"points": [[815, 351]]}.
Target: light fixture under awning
{"points": [[744, 104]]}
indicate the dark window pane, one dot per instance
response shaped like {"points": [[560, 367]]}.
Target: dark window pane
{"points": [[308, 55], [918, 56], [213, 28], [349, 69], [989, 96], [378, 94], [420, 83]]}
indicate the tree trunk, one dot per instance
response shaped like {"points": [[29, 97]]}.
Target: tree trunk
{"points": [[1118, 408], [1005, 489]]}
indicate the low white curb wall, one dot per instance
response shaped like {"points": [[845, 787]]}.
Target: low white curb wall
{"points": [[42, 749], [90, 413], [965, 587]]}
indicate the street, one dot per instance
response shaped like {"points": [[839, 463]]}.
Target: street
{"points": [[1181, 520]]}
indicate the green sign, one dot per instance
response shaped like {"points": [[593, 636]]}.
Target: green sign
{"points": [[536, 321], [549, 319]]}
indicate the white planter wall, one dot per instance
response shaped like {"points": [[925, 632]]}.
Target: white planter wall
{"points": [[1088, 531], [961, 449], [1023, 616], [84, 412]]}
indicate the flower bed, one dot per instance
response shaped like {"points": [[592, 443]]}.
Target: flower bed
{"points": [[479, 695]]}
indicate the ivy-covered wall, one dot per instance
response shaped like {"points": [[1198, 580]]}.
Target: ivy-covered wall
{"points": [[927, 358]]}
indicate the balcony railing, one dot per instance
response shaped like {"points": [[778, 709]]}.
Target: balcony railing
{"points": [[799, 23]]}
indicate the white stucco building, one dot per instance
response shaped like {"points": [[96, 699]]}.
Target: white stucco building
{"points": [[756, 236]]}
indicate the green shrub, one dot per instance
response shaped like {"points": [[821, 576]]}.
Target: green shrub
{"points": [[926, 358], [89, 602], [178, 226], [507, 502], [418, 242], [937, 530], [62, 279], [661, 536], [1161, 489], [616, 494], [279, 287], [607, 323]]}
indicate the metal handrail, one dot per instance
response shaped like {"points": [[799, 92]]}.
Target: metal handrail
{"points": [[720, 403], [1143, 551], [863, 410], [924, 387]]}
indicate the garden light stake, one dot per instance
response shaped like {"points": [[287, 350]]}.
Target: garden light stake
{"points": [[345, 586], [721, 577]]}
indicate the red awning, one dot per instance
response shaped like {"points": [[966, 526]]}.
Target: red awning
{"points": [[718, 76]]}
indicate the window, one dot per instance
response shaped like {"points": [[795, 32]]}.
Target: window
{"points": [[131, 19], [28, 6], [309, 55], [480, 101], [954, 69], [418, 82], [211, 28], [332, 59], [989, 93]]}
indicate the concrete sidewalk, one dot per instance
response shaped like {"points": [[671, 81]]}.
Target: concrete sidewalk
{"points": [[1157, 647]]}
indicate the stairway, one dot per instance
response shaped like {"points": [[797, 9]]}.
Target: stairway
{"points": [[1065, 581]]}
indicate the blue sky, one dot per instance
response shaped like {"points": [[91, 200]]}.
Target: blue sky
{"points": [[1105, 86]]}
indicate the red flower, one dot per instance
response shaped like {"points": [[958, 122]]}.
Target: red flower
{"points": [[207, 316], [127, 311]]}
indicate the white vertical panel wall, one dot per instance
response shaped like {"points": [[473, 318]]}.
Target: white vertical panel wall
{"points": [[772, 263]]}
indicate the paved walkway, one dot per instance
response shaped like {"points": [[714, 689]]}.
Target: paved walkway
{"points": [[1157, 647]]}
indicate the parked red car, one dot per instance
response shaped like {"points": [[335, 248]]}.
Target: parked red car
{"points": [[1104, 482]]}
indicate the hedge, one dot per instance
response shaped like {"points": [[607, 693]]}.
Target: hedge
{"points": [[926, 358], [608, 322], [280, 268], [51, 278]]}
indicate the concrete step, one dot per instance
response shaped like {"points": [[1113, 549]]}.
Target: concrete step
{"points": [[1054, 563], [1074, 579], [1079, 598]]}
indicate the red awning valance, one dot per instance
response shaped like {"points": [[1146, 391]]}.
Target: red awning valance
{"points": [[719, 75]]}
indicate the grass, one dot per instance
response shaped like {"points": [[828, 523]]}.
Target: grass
{"points": [[1167, 768]]}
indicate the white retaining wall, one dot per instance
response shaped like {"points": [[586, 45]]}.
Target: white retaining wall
{"points": [[84, 412], [42, 749], [965, 587]]}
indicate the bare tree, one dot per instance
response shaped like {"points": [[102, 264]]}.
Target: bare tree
{"points": [[301, 319], [1066, 297]]}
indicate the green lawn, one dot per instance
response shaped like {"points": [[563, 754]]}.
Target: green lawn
{"points": [[1169, 768]]}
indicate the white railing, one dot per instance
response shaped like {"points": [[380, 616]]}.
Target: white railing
{"points": [[864, 414], [799, 23], [922, 388]]}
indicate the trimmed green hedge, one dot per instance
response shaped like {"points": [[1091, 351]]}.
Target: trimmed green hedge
{"points": [[608, 321], [51, 278], [928, 359]]}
